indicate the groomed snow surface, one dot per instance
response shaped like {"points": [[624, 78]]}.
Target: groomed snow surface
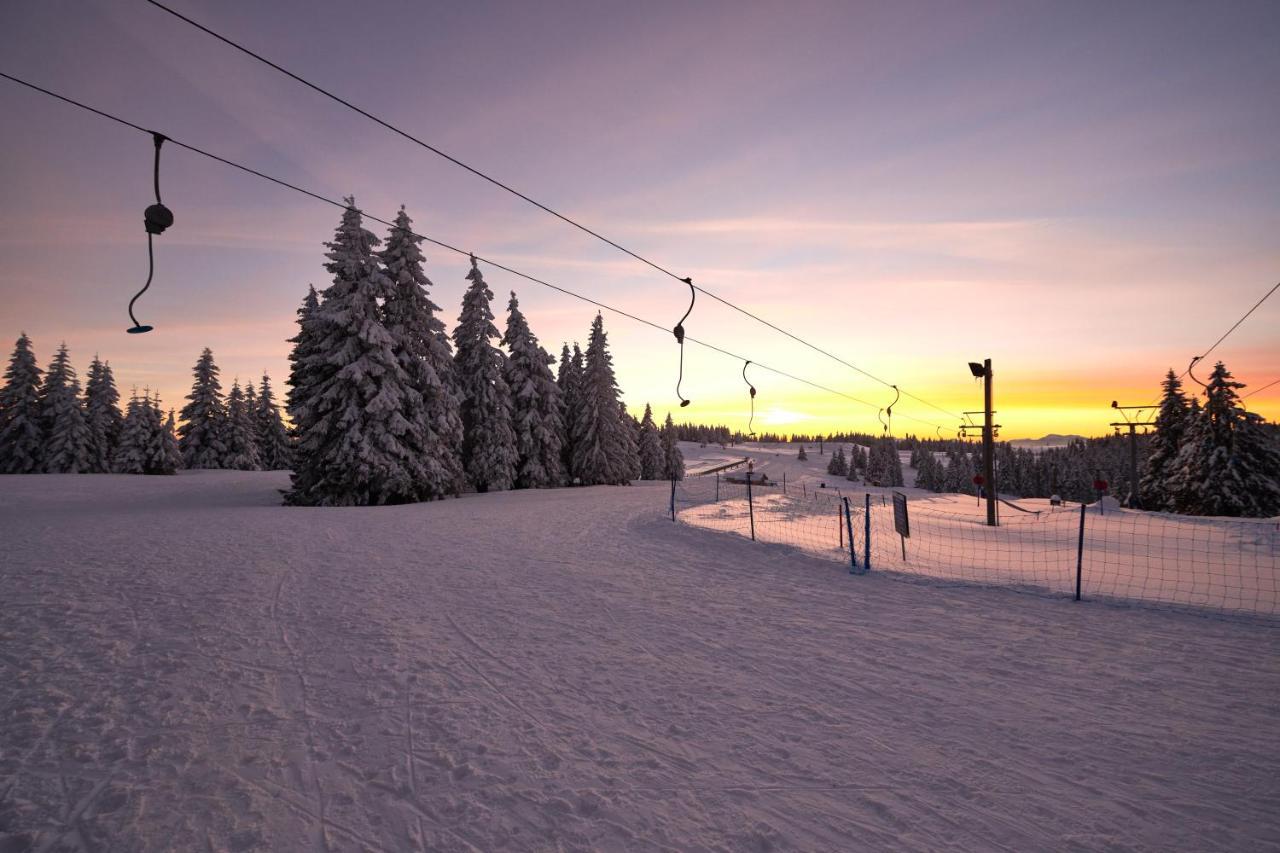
{"points": [[187, 665]]}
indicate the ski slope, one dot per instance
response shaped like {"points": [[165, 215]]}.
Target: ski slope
{"points": [[187, 665]]}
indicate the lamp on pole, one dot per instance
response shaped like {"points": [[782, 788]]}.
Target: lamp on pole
{"points": [[983, 371]]}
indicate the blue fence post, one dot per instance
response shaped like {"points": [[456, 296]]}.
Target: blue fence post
{"points": [[751, 507], [853, 549], [866, 544]]}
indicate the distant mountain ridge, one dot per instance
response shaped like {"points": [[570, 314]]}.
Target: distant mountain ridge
{"points": [[1053, 439]]}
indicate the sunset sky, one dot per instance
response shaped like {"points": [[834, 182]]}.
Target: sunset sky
{"points": [[1087, 193]]}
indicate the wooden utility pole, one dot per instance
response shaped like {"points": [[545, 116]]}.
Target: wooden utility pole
{"points": [[1134, 500], [989, 428]]}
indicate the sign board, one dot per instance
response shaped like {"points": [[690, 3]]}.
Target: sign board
{"points": [[900, 522]]}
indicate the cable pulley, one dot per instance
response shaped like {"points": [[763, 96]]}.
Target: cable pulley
{"points": [[1193, 363], [156, 218], [751, 423], [678, 331]]}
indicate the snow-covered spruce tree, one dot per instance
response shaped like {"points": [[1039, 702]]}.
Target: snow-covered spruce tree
{"points": [[1171, 423], [570, 381], [535, 405], [169, 442], [131, 451], [630, 434], [802, 456], [239, 434], [652, 457], [838, 466], [21, 439], [422, 347], [66, 449], [672, 458], [361, 438], [274, 450], [201, 438], [599, 443], [102, 415], [1228, 464], [302, 360], [488, 442]]}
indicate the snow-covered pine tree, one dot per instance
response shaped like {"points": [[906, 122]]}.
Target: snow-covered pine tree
{"points": [[535, 405], [422, 347], [630, 434], [102, 415], [599, 445], [355, 445], [169, 443], [239, 434], [672, 458], [652, 457], [158, 458], [301, 357], [275, 453], [201, 437], [66, 449], [488, 442], [21, 439], [570, 381], [131, 451], [802, 456], [839, 465], [1171, 423], [1228, 463]]}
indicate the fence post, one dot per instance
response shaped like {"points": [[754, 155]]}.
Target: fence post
{"points": [[784, 482], [853, 549], [673, 497], [866, 547], [840, 522], [1080, 550], [717, 487], [751, 508]]}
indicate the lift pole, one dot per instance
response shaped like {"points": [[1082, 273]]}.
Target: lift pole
{"points": [[1134, 500], [989, 428]]}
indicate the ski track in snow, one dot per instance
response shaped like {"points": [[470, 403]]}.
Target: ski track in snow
{"points": [[186, 665]]}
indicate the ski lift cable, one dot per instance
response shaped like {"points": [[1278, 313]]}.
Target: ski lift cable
{"points": [[442, 244], [1263, 388], [508, 188]]}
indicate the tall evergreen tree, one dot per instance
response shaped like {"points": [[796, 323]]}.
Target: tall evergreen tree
{"points": [[131, 451], [102, 415], [535, 405], [1171, 424], [147, 445], [21, 439], [274, 450], [201, 438], [673, 459], [1229, 464], [239, 433], [839, 465], [652, 457], [306, 346], [570, 382], [630, 443], [489, 453], [599, 444], [355, 444], [422, 347], [172, 456], [62, 422]]}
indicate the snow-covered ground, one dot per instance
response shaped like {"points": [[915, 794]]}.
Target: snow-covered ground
{"points": [[186, 665]]}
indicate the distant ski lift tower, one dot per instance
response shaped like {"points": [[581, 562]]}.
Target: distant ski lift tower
{"points": [[1134, 500], [983, 371]]}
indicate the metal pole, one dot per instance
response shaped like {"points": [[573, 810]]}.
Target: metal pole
{"points": [[1133, 467], [989, 446], [1080, 551], [840, 523], [853, 551], [751, 509], [717, 487], [673, 498], [866, 539]]}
